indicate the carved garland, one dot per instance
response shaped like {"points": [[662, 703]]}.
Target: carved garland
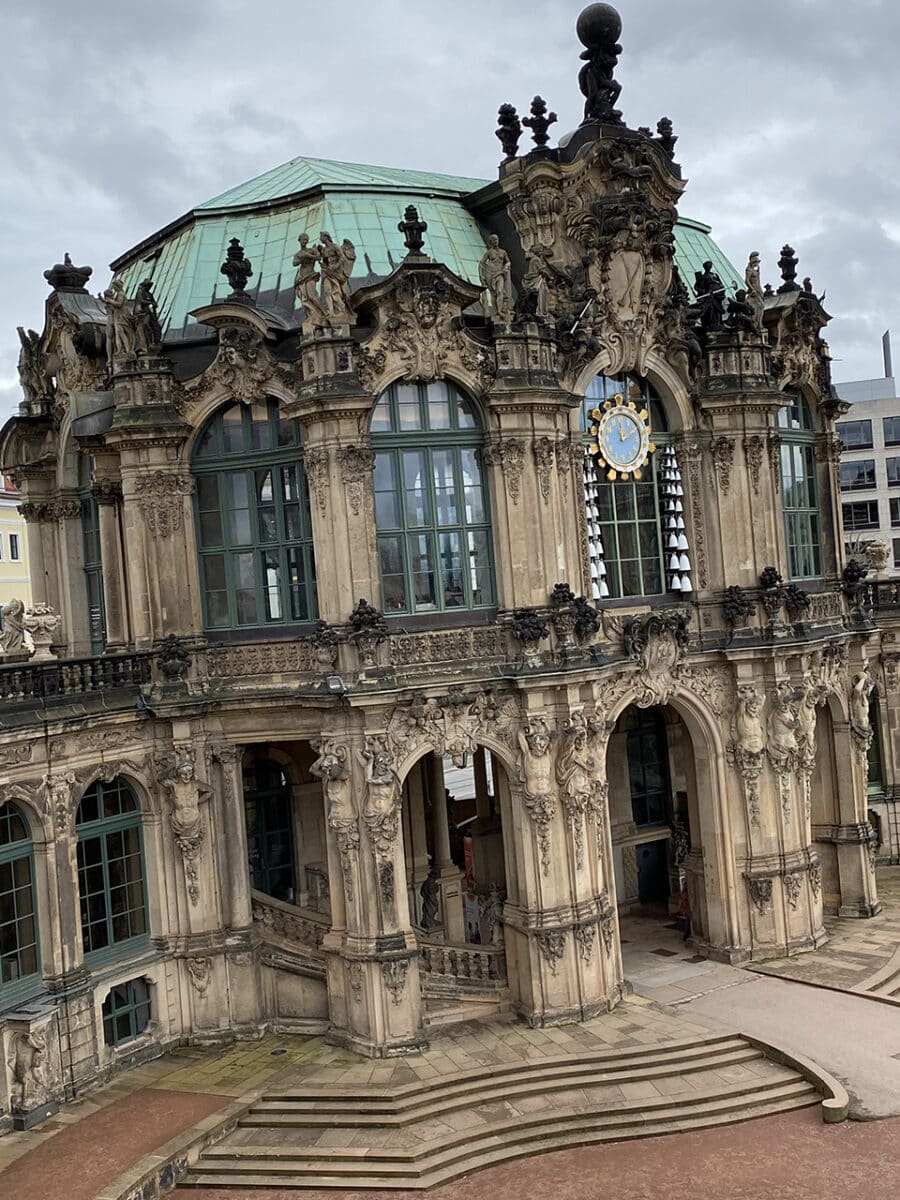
{"points": [[161, 501]]}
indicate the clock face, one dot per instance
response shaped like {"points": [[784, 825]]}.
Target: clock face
{"points": [[622, 433]]}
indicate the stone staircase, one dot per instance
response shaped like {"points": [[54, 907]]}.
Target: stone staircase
{"points": [[431, 1131], [885, 983]]}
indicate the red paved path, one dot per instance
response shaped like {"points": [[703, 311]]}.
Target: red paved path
{"points": [[81, 1159], [789, 1157]]}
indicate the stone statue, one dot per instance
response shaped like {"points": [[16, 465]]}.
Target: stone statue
{"points": [[430, 894], [26, 1062], [808, 697], [337, 267], [710, 292], [740, 317], [494, 273], [331, 768], [681, 840], [491, 911], [537, 764], [12, 639], [576, 770], [36, 380], [306, 281], [754, 289], [185, 792], [599, 28], [783, 725], [748, 729], [860, 694], [383, 785], [120, 339], [147, 329]]}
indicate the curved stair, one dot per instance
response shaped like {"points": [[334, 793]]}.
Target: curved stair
{"points": [[885, 982], [432, 1131]]}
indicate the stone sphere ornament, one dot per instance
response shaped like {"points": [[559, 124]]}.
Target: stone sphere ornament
{"points": [[598, 25]]}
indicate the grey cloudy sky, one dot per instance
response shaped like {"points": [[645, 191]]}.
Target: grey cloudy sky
{"points": [[119, 116]]}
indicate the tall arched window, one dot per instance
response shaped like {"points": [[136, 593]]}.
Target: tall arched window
{"points": [[93, 565], [19, 960], [269, 814], [432, 511], [254, 532], [110, 867], [799, 494], [636, 529]]}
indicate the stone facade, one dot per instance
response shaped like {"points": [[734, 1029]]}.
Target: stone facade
{"points": [[759, 689]]}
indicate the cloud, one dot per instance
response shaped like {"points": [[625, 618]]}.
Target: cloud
{"points": [[117, 122]]}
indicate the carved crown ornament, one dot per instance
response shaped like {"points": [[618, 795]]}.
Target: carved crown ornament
{"points": [[419, 332], [598, 241]]}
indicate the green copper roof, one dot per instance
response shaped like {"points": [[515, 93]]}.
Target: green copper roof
{"points": [[303, 174], [361, 203]]}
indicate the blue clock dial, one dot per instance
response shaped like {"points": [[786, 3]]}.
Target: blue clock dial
{"points": [[623, 438]]}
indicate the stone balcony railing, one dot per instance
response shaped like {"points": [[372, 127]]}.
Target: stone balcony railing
{"points": [[463, 965], [30, 681]]}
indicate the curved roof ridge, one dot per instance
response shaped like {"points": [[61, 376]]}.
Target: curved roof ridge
{"points": [[303, 173]]}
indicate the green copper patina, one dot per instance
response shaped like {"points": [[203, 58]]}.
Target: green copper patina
{"points": [[349, 200]]}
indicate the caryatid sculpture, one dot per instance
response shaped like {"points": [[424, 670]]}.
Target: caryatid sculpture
{"points": [[306, 282], [538, 783], [495, 274]]}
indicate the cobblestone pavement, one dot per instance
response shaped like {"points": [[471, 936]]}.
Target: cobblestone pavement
{"points": [[792, 1156]]}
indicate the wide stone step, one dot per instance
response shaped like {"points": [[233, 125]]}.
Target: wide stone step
{"points": [[285, 1111], [430, 1164], [444, 1084]]}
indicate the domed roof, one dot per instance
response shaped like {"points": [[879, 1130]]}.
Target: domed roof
{"points": [[348, 200]]}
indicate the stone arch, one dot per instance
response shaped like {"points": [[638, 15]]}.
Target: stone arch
{"points": [[474, 389], [148, 801], [425, 745], [669, 385], [718, 906], [38, 816]]}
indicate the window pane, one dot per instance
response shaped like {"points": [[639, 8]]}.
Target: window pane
{"points": [[299, 583], [415, 484], [422, 568], [893, 471], [472, 489], [233, 429], [409, 410], [444, 487], [381, 415], [393, 580], [450, 550], [438, 406], [245, 588], [481, 579], [271, 568]]}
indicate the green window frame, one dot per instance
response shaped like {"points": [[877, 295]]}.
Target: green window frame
{"points": [[269, 817], [432, 505], [875, 764], [111, 874], [628, 511], [19, 946], [648, 766], [799, 489], [126, 1012], [253, 520]]}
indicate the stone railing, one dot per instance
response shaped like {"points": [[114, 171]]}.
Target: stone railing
{"points": [[486, 643], [73, 676], [884, 597], [279, 922], [479, 966]]}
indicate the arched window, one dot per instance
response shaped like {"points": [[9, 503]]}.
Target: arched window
{"points": [[254, 532], [269, 813], [110, 867], [799, 494], [93, 566], [636, 529], [19, 960], [432, 511]]}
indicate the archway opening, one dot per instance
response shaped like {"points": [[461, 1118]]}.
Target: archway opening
{"points": [[285, 823], [655, 824]]}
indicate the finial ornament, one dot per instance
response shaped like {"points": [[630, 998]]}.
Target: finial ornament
{"points": [[413, 229], [787, 264], [66, 277], [598, 28], [238, 270], [539, 121], [509, 130]]}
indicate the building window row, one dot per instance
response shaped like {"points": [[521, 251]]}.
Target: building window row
{"points": [[858, 476], [855, 435], [860, 514], [111, 889]]}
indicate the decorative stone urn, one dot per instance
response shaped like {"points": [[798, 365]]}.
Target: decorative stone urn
{"points": [[42, 622], [877, 554]]}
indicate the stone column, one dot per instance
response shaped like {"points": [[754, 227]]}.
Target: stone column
{"points": [[853, 839], [374, 997], [449, 875], [107, 493]]}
